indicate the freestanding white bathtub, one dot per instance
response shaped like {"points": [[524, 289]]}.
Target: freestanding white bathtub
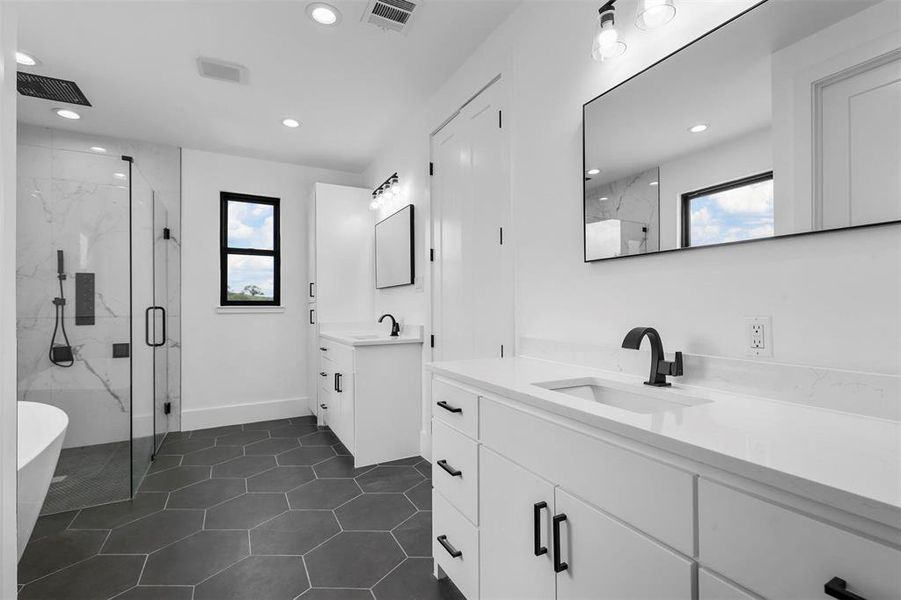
{"points": [[41, 432]]}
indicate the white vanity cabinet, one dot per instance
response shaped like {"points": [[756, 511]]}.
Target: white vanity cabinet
{"points": [[568, 511], [370, 395]]}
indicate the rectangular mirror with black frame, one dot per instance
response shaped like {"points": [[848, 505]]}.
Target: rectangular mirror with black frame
{"points": [[394, 264], [784, 121]]}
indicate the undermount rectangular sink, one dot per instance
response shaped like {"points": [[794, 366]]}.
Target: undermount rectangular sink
{"points": [[596, 390]]}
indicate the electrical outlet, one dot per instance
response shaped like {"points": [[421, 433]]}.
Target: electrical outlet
{"points": [[759, 336]]}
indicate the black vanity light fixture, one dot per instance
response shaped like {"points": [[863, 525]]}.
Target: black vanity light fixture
{"points": [[390, 189], [607, 44]]}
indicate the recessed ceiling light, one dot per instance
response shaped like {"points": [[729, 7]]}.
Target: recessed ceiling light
{"points": [[65, 113], [292, 123], [594, 172], [654, 183], [26, 60], [98, 149], [699, 128], [324, 14]]}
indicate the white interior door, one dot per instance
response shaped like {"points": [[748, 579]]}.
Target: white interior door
{"points": [[472, 300], [860, 146]]}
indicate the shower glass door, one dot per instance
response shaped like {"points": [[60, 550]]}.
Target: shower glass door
{"points": [[160, 322]]}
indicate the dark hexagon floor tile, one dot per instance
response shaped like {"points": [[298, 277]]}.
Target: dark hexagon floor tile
{"points": [[267, 425], [305, 420], [56, 551], [244, 466], [341, 450], [212, 456], [150, 592], [270, 447], [257, 577], [196, 558], [280, 479], [153, 532], [389, 479], [324, 494], [163, 462], [340, 466], [306, 456], [404, 462], [245, 512], [97, 578], [415, 535], [108, 516], [294, 533], [184, 446], [353, 559], [375, 512], [414, 579], [207, 493], [214, 432], [421, 495], [173, 479], [425, 469], [335, 594], [50, 524], [241, 438], [294, 430], [320, 438]]}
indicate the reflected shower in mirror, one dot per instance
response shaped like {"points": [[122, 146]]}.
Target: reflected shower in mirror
{"points": [[786, 120]]}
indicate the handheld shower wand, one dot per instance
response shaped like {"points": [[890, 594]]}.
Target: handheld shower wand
{"points": [[60, 354]]}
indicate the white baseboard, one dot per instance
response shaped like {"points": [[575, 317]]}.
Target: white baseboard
{"points": [[251, 412], [425, 445]]}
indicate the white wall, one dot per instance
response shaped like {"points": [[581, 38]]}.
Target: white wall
{"points": [[243, 366], [826, 310], [8, 418]]}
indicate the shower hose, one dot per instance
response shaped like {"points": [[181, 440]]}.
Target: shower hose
{"points": [[67, 358]]}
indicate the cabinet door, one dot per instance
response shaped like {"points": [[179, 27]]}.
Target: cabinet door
{"points": [[510, 569], [607, 560]]}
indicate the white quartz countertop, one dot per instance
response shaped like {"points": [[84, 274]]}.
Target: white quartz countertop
{"points": [[843, 460], [369, 338]]}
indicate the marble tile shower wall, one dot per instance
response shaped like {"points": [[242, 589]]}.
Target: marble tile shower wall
{"points": [[69, 199]]}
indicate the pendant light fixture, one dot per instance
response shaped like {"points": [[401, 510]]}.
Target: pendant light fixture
{"points": [[654, 13], [607, 44]]}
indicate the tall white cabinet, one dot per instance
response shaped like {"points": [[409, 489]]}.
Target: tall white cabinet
{"points": [[340, 268]]}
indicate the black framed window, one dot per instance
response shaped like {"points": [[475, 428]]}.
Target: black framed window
{"points": [[249, 250], [729, 212]]}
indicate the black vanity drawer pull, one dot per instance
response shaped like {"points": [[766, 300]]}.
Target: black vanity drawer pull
{"points": [[443, 404], [539, 506], [323, 407], [838, 588], [442, 539], [452, 471], [323, 349], [311, 316], [338, 383], [559, 566], [323, 374], [312, 294]]}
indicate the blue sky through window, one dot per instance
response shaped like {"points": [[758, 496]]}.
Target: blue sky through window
{"points": [[742, 213], [251, 226]]}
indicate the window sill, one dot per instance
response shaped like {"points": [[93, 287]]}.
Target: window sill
{"points": [[249, 310]]}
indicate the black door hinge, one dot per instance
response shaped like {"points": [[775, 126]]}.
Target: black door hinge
{"points": [[167, 408], [502, 236], [431, 255], [431, 168], [502, 351], [166, 233], [500, 119], [432, 340]]}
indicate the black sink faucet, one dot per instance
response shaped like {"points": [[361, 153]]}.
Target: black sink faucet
{"points": [[395, 328], [660, 367]]}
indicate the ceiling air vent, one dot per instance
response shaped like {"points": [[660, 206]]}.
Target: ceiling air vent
{"points": [[393, 15], [50, 88], [213, 68]]}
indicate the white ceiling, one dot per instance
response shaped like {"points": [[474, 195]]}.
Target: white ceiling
{"points": [[349, 85]]}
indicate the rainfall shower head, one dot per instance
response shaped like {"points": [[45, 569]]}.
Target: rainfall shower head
{"points": [[50, 88]]}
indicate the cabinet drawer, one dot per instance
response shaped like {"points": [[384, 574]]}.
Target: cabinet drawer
{"points": [[651, 496], [779, 553], [456, 406], [460, 535], [460, 455], [711, 587]]}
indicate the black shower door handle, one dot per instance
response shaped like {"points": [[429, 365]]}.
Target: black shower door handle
{"points": [[147, 327]]}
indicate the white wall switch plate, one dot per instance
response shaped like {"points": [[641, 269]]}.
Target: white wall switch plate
{"points": [[759, 336]]}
